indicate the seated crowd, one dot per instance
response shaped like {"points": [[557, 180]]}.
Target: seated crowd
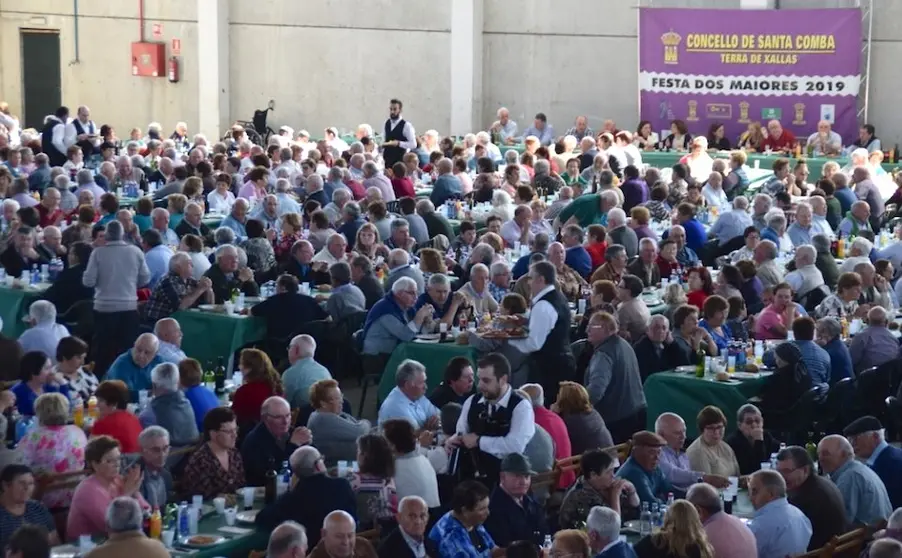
{"points": [[572, 242]]}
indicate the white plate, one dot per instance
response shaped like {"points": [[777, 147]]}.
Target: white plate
{"points": [[210, 307], [216, 539], [746, 375], [686, 369], [429, 336], [248, 516]]}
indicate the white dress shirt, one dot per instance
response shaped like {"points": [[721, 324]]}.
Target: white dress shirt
{"points": [[59, 136], [523, 426], [541, 321], [410, 135], [12, 126], [72, 134], [511, 232]]}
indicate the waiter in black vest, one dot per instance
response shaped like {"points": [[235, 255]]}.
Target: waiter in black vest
{"points": [[82, 131], [548, 344], [53, 137], [494, 422], [399, 135]]}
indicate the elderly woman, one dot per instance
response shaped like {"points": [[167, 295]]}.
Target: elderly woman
{"points": [[106, 483], [597, 487], [681, 536], [291, 233], [260, 256], [114, 419], [715, 312], [538, 223], [477, 292], [632, 312], [335, 431], [829, 336], [36, 378], [689, 336], [572, 175], [729, 282], [216, 467], [502, 205], [17, 509], [844, 302], [751, 444], [776, 230], [585, 427], [374, 483], [414, 475], [709, 453], [176, 207], [261, 381], [54, 447], [697, 160], [320, 230], [569, 281], [70, 356], [639, 218]]}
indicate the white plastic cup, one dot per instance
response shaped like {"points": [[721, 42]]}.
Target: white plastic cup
{"points": [[193, 517], [197, 501], [765, 465], [142, 398], [581, 306], [168, 536], [85, 543], [734, 484], [248, 494], [230, 516], [219, 504]]}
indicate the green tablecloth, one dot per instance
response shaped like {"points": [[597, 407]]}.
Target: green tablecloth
{"points": [[236, 545], [686, 395], [207, 336], [212, 221], [14, 305], [663, 159], [434, 356]]}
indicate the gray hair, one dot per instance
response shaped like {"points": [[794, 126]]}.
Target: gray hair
{"points": [[341, 194], [283, 185], [84, 176], [480, 267], [398, 257], [221, 250], [499, 268], [426, 207], [124, 515], [766, 200], [42, 312], [352, 209], [165, 377], [305, 343], [895, 520], [806, 254], [605, 522], [314, 182], [614, 251], [705, 497], [403, 284], [746, 410], [741, 202], [152, 433], [511, 157], [370, 169], [863, 245], [772, 481], [9, 202], [775, 218], [617, 216], [407, 370], [648, 242], [439, 280], [303, 461], [610, 196], [803, 206], [770, 248], [399, 223], [659, 318], [178, 259], [864, 266], [61, 182], [885, 548], [113, 231], [538, 400], [542, 167], [830, 326], [223, 235], [287, 536], [821, 243]]}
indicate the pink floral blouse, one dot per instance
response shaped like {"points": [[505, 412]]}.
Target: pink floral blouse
{"points": [[54, 450]]}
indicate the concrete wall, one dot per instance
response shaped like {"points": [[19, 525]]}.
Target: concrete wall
{"points": [[338, 62], [102, 79]]}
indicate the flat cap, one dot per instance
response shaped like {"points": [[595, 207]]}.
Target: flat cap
{"points": [[861, 425], [648, 439]]}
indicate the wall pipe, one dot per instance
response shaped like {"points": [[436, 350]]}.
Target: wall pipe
{"points": [[141, 21], [75, 30]]}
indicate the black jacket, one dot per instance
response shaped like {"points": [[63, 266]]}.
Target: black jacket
{"points": [[222, 286], [394, 546], [308, 503], [204, 233], [651, 362], [443, 394], [68, 289], [372, 289], [15, 264], [260, 453], [307, 275], [749, 456]]}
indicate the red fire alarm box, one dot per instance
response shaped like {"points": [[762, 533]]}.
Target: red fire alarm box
{"points": [[149, 59]]}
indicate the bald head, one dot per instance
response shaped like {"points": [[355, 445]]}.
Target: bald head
{"points": [[338, 534], [672, 428], [275, 405], [885, 548], [288, 540], [169, 331], [833, 452], [877, 316]]}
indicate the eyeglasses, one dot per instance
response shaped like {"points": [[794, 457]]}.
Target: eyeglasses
{"points": [[714, 428], [228, 431], [280, 417]]}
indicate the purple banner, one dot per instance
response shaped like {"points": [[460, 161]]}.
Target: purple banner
{"points": [[740, 66]]}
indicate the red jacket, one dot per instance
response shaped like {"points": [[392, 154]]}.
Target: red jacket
{"points": [[596, 253], [554, 425], [248, 399], [123, 427]]}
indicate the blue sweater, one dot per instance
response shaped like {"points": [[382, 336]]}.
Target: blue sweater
{"points": [[695, 235], [202, 400], [888, 467], [578, 258], [125, 369], [650, 487], [840, 360]]}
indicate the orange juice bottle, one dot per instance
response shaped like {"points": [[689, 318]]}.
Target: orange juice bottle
{"points": [[156, 523], [78, 414], [92, 407]]}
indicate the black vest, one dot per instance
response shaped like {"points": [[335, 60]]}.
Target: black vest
{"points": [[57, 159], [392, 155], [478, 464], [554, 361], [87, 148]]}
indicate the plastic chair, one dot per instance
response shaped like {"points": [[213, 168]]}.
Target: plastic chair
{"points": [[832, 416]]}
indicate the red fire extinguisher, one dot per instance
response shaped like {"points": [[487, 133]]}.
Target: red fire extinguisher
{"points": [[173, 69]]}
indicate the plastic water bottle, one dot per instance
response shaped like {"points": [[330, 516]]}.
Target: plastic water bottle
{"points": [[184, 528], [657, 517], [23, 423], [546, 546], [284, 480], [644, 520], [35, 275], [56, 267]]}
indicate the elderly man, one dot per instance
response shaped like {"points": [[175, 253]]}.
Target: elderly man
{"points": [[686, 256], [825, 142], [554, 425], [399, 266], [447, 186], [125, 526], [303, 371], [514, 514], [285, 202], [271, 441], [169, 333], [408, 399], [436, 223], [541, 130], [375, 179], [314, 190], [875, 289], [49, 209], [765, 256], [876, 344], [751, 444], [780, 528], [545, 182], [867, 437], [156, 483], [674, 463], [645, 267], [408, 539], [819, 222], [169, 407], [159, 218], [632, 312], [642, 468], [576, 255], [856, 220], [177, 290], [387, 324], [44, 334], [315, 494], [614, 266], [588, 209], [866, 190], [732, 224], [302, 267], [334, 251], [814, 495], [603, 529], [156, 254], [193, 223], [445, 305], [226, 277], [580, 129], [287, 310], [237, 219], [801, 231], [134, 366], [728, 535], [334, 210], [778, 138], [619, 233], [517, 230], [806, 277], [656, 351], [548, 343], [864, 494], [363, 277], [288, 540], [346, 299], [20, 256], [857, 254], [505, 130], [115, 270], [339, 539]]}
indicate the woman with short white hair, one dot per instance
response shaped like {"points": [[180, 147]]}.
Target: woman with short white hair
{"points": [[477, 291]]}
